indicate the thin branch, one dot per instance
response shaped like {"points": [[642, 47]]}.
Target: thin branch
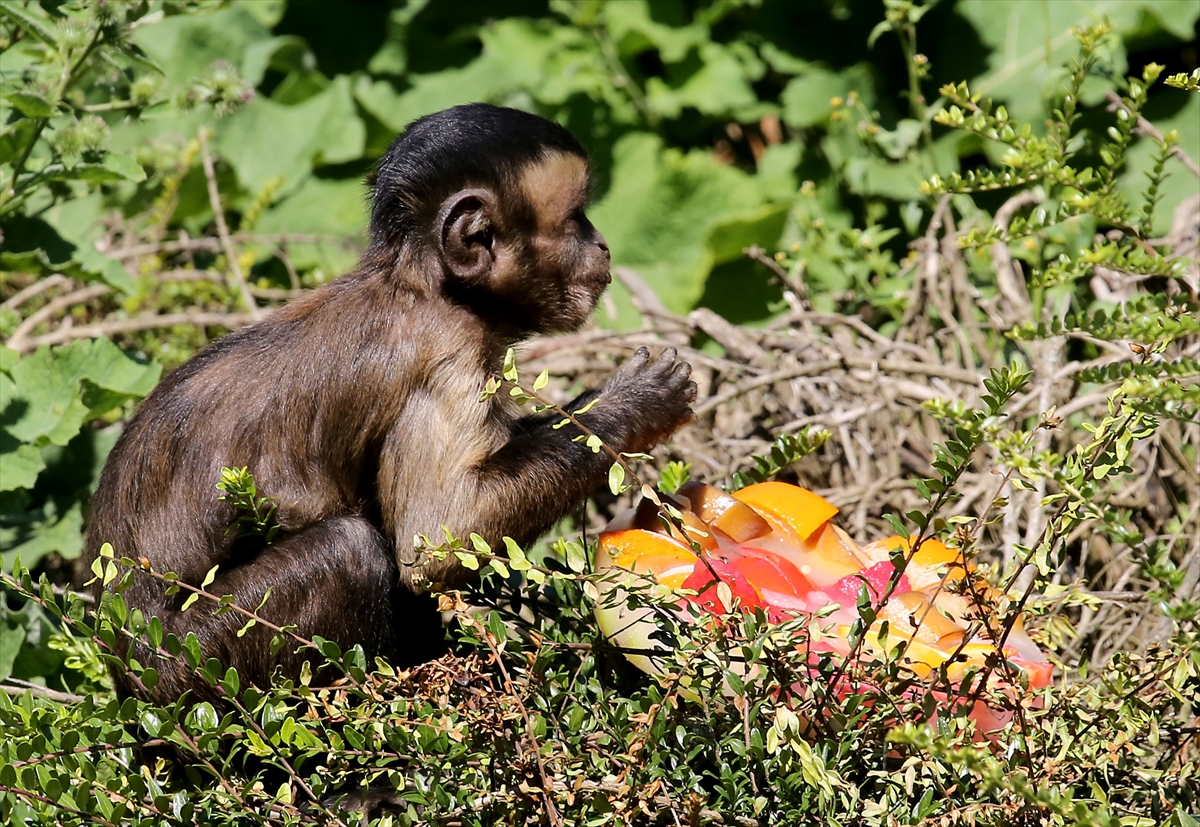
{"points": [[21, 334], [38, 691], [214, 244], [229, 321], [40, 286], [237, 280]]}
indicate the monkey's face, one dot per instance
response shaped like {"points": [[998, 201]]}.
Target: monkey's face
{"points": [[528, 259], [567, 263]]}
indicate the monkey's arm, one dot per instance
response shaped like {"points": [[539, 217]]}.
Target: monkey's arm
{"points": [[541, 473]]}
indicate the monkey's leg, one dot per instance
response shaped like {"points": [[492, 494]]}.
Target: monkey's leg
{"points": [[336, 579]]}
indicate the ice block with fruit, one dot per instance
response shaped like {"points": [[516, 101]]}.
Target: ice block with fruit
{"points": [[775, 547]]}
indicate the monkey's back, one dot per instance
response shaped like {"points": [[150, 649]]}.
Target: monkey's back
{"points": [[264, 397]]}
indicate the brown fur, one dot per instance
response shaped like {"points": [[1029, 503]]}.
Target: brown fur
{"points": [[357, 410]]}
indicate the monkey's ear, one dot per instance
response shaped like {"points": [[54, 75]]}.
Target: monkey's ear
{"points": [[466, 233]]}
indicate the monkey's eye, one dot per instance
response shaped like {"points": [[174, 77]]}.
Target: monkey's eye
{"points": [[577, 221]]}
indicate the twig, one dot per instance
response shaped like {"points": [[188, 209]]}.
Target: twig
{"points": [[1008, 280], [40, 286], [184, 244], [236, 278], [229, 321], [38, 691], [21, 334], [796, 285]]}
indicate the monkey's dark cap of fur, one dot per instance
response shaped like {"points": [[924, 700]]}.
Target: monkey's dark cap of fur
{"points": [[476, 144]]}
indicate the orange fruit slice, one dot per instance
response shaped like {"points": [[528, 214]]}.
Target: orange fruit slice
{"points": [[646, 552], [798, 510]]}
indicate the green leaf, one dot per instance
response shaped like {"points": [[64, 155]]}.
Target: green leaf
{"points": [[719, 86], [109, 270], [185, 45], [323, 207], [55, 390], [20, 464], [210, 577], [616, 478], [31, 104], [808, 98], [125, 166], [31, 23], [63, 536], [468, 560], [1027, 43], [576, 557], [674, 216], [265, 139], [516, 556], [12, 637], [509, 371], [14, 138]]}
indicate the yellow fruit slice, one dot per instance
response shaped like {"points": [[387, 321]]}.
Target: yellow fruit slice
{"points": [[645, 552], [797, 509]]}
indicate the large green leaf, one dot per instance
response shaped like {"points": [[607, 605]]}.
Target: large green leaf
{"points": [[20, 464], [1030, 43], [63, 535], [392, 57], [515, 54], [268, 139], [663, 207], [184, 45], [807, 99], [53, 391], [337, 209], [637, 25], [718, 83]]}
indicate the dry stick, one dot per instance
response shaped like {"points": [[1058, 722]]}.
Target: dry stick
{"points": [[236, 279], [1008, 280], [229, 321], [39, 286], [20, 335], [796, 285], [207, 243], [38, 691], [856, 322], [845, 362]]}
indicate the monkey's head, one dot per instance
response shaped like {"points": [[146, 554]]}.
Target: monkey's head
{"points": [[489, 204]]}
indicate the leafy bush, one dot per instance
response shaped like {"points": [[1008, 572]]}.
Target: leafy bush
{"points": [[169, 170]]}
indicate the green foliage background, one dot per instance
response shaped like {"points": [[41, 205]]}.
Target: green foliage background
{"points": [[822, 129]]}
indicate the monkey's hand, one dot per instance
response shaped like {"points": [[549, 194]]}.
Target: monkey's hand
{"points": [[644, 402]]}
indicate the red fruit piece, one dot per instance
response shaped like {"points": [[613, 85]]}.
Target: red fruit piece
{"points": [[701, 580], [845, 591], [774, 577]]}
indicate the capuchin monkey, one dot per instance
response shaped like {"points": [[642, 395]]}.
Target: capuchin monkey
{"points": [[357, 409]]}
